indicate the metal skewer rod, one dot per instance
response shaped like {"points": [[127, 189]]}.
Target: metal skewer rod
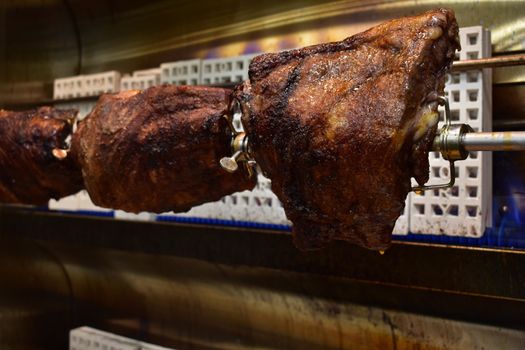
{"points": [[494, 141], [500, 61], [480, 141]]}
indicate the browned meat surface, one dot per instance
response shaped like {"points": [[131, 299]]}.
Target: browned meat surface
{"points": [[341, 128], [157, 150], [29, 173]]}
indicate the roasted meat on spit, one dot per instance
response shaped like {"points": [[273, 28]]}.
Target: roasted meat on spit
{"points": [[157, 150], [341, 128], [33, 161]]}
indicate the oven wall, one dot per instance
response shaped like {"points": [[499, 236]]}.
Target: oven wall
{"points": [[43, 40]]}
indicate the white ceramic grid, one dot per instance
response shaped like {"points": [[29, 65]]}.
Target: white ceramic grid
{"points": [[402, 224], [259, 205], [225, 70], [81, 202], [140, 79], [69, 87], [87, 338], [466, 208], [99, 83], [138, 82], [150, 71], [181, 73]]}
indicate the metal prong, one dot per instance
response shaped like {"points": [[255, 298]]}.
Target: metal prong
{"points": [[239, 145], [443, 149], [59, 153], [230, 163], [450, 183]]}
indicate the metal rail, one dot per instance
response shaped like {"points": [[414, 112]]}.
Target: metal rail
{"points": [[494, 141], [456, 141], [500, 61]]}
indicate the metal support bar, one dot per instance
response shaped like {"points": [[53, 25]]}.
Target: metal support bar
{"points": [[493, 62], [494, 141]]}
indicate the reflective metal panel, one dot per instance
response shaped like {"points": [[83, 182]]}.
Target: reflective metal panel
{"points": [[48, 39]]}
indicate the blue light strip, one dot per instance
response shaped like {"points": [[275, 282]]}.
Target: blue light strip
{"points": [[491, 239]]}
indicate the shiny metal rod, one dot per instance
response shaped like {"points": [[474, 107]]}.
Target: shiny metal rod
{"points": [[500, 61], [494, 141]]}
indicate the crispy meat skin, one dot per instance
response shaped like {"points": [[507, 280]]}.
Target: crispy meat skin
{"points": [[341, 128], [157, 150], [29, 173]]}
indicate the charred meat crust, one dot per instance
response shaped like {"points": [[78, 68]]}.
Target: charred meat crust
{"points": [[341, 128], [29, 173], [157, 150]]}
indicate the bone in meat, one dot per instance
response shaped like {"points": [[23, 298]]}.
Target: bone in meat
{"points": [[157, 150], [29, 172], [341, 128]]}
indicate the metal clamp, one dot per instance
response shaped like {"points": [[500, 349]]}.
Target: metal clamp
{"points": [[449, 142], [239, 146]]}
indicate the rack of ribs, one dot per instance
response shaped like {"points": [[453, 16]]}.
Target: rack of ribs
{"points": [[157, 150], [30, 173], [341, 128]]}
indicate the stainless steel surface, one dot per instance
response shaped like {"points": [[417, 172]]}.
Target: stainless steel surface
{"points": [[493, 62], [218, 288], [35, 297], [450, 142], [40, 41], [494, 141], [456, 141]]}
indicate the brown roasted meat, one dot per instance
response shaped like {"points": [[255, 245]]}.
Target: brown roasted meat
{"points": [[341, 128], [157, 150], [29, 172]]}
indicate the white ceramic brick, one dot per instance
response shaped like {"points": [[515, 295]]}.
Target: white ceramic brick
{"points": [[77, 202], [85, 203], [68, 87], [181, 73], [87, 338], [69, 203], [225, 70], [100, 83], [466, 208], [259, 205], [86, 85], [403, 222], [149, 72], [140, 82], [144, 216]]}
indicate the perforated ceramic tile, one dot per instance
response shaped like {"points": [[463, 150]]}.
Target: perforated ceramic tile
{"points": [[181, 73], [465, 209], [86, 85], [151, 71], [260, 205], [69, 87], [225, 70], [144, 216], [138, 82], [402, 224], [87, 338], [100, 83], [80, 202]]}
